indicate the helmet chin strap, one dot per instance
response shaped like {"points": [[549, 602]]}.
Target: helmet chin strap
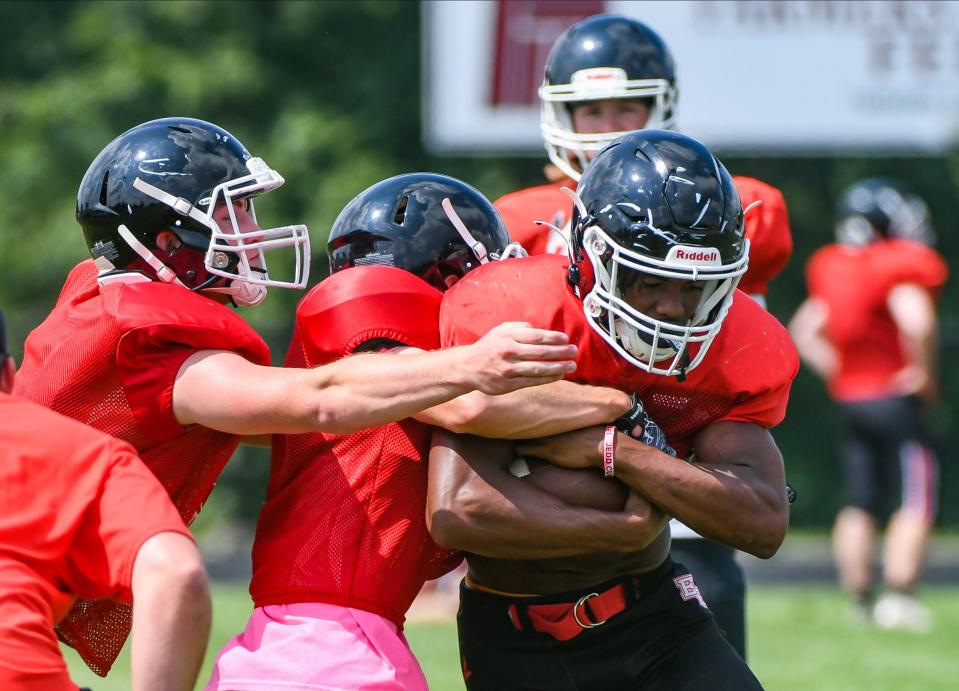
{"points": [[164, 272], [243, 294], [477, 247]]}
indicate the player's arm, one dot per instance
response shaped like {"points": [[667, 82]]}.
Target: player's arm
{"points": [[171, 614], [224, 391], [808, 330], [529, 413], [475, 504], [914, 311], [735, 492]]}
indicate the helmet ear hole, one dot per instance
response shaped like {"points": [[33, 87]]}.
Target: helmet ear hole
{"points": [[103, 187], [400, 216]]}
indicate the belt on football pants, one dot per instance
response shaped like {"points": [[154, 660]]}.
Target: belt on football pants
{"points": [[566, 620]]}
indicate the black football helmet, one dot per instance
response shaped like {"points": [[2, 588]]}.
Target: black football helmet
{"points": [[659, 203], [172, 174], [431, 225], [606, 56], [878, 208]]}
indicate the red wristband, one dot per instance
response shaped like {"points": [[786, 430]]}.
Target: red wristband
{"points": [[609, 450]]}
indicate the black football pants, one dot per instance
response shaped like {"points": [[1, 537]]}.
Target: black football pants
{"points": [[664, 641], [721, 581]]}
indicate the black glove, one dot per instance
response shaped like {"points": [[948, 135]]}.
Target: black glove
{"points": [[637, 424]]}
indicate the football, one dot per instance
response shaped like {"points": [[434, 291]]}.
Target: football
{"points": [[585, 487]]}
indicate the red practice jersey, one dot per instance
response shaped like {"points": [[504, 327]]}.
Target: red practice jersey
{"points": [[854, 284], [108, 357], [521, 210], [745, 376], [77, 506], [767, 226], [345, 517]]}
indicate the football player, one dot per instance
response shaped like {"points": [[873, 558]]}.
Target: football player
{"points": [[341, 546], [869, 329], [142, 345], [82, 516], [651, 300], [606, 75]]}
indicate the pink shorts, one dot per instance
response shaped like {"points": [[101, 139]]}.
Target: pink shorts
{"points": [[319, 647]]}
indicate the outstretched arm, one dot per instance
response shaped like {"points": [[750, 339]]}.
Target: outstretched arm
{"points": [[529, 413], [734, 493], [224, 391], [476, 505], [171, 614]]}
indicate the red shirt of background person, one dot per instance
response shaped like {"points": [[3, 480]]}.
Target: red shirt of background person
{"points": [[143, 346], [854, 285], [342, 547], [83, 517], [623, 80]]}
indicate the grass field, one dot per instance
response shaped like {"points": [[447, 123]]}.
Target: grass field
{"points": [[800, 639]]}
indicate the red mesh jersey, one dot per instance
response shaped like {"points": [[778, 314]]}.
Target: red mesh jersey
{"points": [[345, 516], [767, 226], [854, 284], [108, 356], [746, 375], [768, 232], [520, 211]]}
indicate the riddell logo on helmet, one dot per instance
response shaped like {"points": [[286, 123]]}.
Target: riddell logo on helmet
{"points": [[599, 74], [684, 254]]}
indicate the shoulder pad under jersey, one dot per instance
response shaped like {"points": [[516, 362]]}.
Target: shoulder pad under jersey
{"points": [[160, 314], [754, 359], [364, 303], [528, 289]]}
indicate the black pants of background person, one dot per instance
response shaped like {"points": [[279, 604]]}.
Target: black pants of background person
{"points": [[721, 581], [888, 457], [664, 640]]}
